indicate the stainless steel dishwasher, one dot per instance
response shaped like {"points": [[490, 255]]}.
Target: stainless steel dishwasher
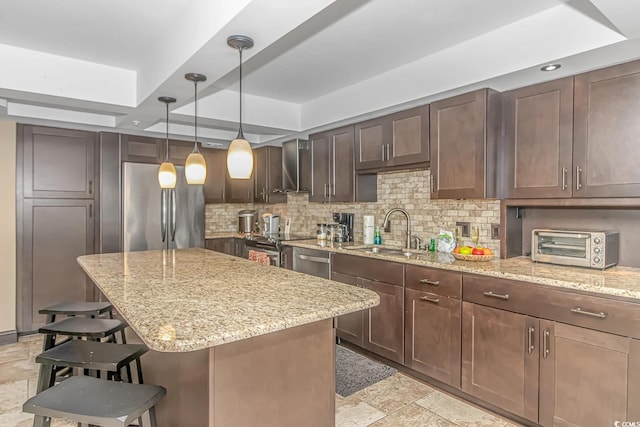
{"points": [[312, 261]]}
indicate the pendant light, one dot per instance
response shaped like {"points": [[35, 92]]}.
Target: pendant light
{"points": [[195, 168], [239, 153], [167, 176]]}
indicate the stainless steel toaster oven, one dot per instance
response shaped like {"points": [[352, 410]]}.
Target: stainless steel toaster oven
{"points": [[592, 249]]}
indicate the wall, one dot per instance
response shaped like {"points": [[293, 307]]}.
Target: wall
{"points": [[406, 189], [7, 226]]}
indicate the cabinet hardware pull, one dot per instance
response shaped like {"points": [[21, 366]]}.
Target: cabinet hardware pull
{"points": [[314, 259], [90, 186], [432, 300], [325, 190], [430, 282], [433, 183], [564, 178], [545, 344], [578, 310], [578, 176], [388, 151], [492, 295], [532, 331], [91, 211], [382, 146]]}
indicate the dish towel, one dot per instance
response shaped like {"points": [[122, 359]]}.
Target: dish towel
{"points": [[260, 257]]}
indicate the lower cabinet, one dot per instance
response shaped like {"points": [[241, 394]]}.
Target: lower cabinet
{"points": [[229, 245], [500, 358], [587, 378], [286, 255], [349, 327]]}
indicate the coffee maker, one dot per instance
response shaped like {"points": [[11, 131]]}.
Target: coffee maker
{"points": [[345, 227]]}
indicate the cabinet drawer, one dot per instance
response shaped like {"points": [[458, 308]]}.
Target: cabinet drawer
{"points": [[433, 280], [369, 268], [599, 313]]}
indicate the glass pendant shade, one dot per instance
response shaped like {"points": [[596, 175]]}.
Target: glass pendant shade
{"points": [[240, 159], [167, 176], [195, 168]]}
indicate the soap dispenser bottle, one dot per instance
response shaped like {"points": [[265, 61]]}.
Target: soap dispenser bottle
{"points": [[377, 238]]}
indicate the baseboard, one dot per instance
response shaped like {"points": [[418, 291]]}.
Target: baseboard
{"points": [[8, 337]]}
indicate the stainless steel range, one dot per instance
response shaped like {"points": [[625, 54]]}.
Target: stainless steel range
{"points": [[272, 245]]}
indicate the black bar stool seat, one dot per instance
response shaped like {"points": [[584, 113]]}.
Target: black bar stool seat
{"points": [[89, 355], [84, 327], [77, 308], [94, 401]]}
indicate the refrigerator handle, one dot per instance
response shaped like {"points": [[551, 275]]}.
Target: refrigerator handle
{"points": [[163, 214], [173, 214]]}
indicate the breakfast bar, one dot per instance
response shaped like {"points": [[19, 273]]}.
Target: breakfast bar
{"points": [[235, 343]]}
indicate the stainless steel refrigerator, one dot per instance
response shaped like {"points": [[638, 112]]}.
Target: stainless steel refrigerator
{"points": [[154, 218]]}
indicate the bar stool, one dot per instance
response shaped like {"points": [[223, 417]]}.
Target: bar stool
{"points": [[82, 327], [77, 308], [90, 356], [94, 401]]}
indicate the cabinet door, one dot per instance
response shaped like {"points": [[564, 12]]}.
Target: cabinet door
{"points": [[371, 140], [538, 124], [58, 163], [214, 185], [267, 172], [349, 326], [409, 137], [52, 233], [224, 245], [240, 248], [238, 190], [179, 150], [341, 182], [500, 358], [432, 335], [287, 257], [142, 149], [587, 378], [606, 132], [384, 324], [458, 130], [319, 146]]}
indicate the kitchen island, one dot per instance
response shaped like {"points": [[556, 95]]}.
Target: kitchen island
{"points": [[234, 342]]}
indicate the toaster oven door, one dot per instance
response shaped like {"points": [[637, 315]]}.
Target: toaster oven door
{"points": [[561, 248]]}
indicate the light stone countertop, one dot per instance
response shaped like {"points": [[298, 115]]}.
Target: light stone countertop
{"points": [[623, 282], [191, 299]]}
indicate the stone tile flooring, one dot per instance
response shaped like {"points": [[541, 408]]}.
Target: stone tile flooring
{"points": [[394, 402]]}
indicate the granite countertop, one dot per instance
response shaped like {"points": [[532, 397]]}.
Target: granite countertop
{"points": [[191, 299], [616, 281]]}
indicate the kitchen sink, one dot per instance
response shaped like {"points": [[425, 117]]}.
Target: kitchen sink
{"points": [[384, 251]]}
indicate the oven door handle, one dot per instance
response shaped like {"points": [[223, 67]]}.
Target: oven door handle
{"points": [[314, 259]]}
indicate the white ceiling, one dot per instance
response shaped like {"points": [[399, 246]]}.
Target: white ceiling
{"points": [[315, 64]]}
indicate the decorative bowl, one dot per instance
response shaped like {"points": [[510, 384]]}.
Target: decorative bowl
{"points": [[463, 257]]}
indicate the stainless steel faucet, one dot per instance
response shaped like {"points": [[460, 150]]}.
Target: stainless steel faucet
{"points": [[386, 221]]}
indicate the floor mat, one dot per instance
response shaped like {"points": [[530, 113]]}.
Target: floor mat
{"points": [[355, 372]]}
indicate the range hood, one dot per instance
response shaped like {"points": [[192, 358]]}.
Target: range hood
{"points": [[296, 164]]}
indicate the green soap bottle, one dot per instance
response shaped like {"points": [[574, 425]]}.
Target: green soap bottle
{"points": [[377, 238]]}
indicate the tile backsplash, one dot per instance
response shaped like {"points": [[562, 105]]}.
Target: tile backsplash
{"points": [[405, 189]]}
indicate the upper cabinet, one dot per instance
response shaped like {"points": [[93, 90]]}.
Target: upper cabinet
{"points": [[332, 171], [214, 185], [464, 131], [142, 149], [58, 163], [393, 141], [538, 124], [606, 132], [267, 173]]}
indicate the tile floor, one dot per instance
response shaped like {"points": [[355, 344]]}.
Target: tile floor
{"points": [[394, 402]]}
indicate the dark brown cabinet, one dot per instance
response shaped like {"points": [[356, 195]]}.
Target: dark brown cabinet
{"points": [[238, 190], [587, 378], [142, 149], [393, 141], [267, 175], [227, 245], [606, 132], [214, 185], [379, 329], [58, 163], [538, 122], [287, 257], [463, 135], [52, 234], [332, 167], [432, 323]]}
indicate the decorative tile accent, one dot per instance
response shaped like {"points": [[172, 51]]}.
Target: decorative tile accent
{"points": [[406, 189]]}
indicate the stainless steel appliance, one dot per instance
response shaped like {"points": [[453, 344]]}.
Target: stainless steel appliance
{"points": [[272, 245], [345, 227], [312, 261], [247, 221], [593, 249], [153, 218], [270, 224]]}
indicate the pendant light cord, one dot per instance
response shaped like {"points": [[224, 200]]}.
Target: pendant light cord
{"points": [[166, 153], [195, 98], [240, 133]]}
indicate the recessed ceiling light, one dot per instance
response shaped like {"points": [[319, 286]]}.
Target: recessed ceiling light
{"points": [[135, 122], [551, 67]]}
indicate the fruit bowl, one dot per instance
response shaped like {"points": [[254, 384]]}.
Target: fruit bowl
{"points": [[463, 257]]}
